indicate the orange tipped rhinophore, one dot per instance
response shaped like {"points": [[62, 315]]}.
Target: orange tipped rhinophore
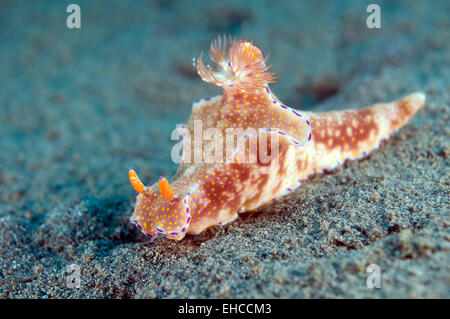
{"points": [[135, 182], [165, 189]]}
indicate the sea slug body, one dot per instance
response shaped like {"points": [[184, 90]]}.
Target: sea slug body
{"points": [[205, 193]]}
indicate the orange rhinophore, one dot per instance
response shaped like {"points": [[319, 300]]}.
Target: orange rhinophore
{"points": [[135, 182], [208, 193], [165, 189]]}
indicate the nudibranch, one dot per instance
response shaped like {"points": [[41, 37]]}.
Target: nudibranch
{"points": [[205, 193]]}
